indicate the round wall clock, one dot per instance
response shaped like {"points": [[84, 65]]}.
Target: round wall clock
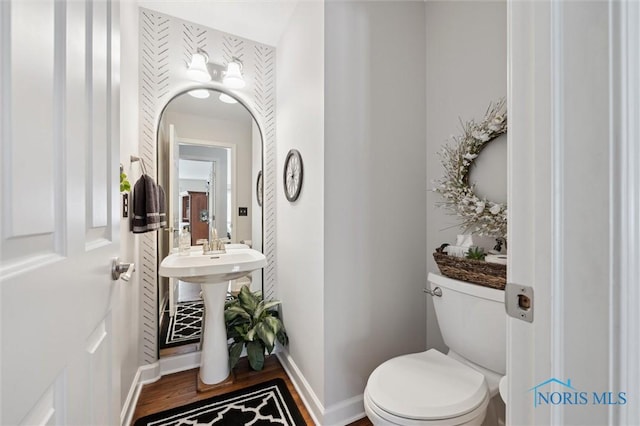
{"points": [[292, 178], [259, 188]]}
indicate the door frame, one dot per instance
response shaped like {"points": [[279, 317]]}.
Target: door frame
{"points": [[234, 178], [536, 103]]}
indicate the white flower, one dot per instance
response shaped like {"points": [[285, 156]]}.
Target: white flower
{"points": [[495, 209], [477, 134], [480, 207], [469, 156]]}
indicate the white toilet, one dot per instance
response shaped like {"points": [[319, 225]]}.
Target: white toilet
{"points": [[430, 388]]}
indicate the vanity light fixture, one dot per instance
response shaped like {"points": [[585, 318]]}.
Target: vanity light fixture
{"points": [[227, 99], [199, 93], [233, 77], [197, 69]]}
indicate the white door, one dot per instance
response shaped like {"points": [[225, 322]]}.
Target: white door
{"points": [[574, 194], [212, 194], [174, 214], [59, 211]]}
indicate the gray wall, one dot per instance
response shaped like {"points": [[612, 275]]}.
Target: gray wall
{"points": [[300, 121], [375, 189], [466, 69]]}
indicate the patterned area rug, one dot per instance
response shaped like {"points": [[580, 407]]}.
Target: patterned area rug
{"points": [[268, 403], [185, 327]]}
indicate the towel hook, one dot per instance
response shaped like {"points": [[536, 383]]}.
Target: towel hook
{"points": [[133, 159]]}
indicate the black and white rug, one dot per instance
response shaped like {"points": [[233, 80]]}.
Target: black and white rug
{"points": [[268, 403], [184, 327]]}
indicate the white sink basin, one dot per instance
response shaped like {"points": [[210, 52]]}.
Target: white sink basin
{"points": [[212, 268]]}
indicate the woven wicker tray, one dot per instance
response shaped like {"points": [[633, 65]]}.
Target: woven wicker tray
{"points": [[488, 274]]}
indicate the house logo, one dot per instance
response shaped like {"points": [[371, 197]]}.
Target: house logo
{"points": [[554, 391]]}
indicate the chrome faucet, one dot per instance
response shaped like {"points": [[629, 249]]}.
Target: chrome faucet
{"points": [[214, 245]]}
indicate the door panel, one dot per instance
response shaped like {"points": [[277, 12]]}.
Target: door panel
{"points": [[566, 213], [199, 228], [59, 211]]}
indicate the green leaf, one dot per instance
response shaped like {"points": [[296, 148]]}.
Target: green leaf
{"points": [[282, 337], [247, 300], [251, 335], [267, 336], [233, 312], [235, 350], [255, 352], [274, 324], [264, 306], [242, 331]]}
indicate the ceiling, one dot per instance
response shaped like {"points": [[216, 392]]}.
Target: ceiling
{"points": [[259, 20]]}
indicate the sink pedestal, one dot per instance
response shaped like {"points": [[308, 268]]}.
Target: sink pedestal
{"points": [[213, 272], [214, 361]]}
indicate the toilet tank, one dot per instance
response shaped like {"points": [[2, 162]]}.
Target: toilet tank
{"points": [[472, 321]]}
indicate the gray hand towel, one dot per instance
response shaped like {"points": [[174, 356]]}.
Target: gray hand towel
{"points": [[149, 211]]}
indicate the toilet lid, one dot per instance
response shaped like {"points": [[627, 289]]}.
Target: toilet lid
{"points": [[426, 386]]}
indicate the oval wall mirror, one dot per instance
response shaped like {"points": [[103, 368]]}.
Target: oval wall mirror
{"points": [[209, 149]]}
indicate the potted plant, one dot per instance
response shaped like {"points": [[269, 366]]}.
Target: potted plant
{"points": [[252, 322]]}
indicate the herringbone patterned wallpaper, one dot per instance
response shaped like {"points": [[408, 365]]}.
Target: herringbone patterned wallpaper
{"points": [[166, 45]]}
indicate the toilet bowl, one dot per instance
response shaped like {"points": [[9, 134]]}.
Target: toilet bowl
{"points": [[431, 388], [426, 388]]}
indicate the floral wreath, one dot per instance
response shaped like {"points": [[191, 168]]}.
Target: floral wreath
{"points": [[479, 215]]}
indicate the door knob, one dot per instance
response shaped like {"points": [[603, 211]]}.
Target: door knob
{"points": [[121, 270]]}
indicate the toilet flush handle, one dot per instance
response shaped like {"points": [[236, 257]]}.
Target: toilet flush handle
{"points": [[437, 291]]}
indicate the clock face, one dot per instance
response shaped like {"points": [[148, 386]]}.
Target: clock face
{"points": [[293, 175]]}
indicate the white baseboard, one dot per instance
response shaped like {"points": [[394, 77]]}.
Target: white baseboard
{"points": [[339, 414], [145, 374], [308, 396], [152, 373], [345, 412]]}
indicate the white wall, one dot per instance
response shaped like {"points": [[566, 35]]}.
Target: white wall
{"points": [[300, 227], [128, 318], [375, 193], [197, 127], [466, 45]]}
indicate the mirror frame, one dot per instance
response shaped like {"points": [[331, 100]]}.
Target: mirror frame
{"points": [[218, 87]]}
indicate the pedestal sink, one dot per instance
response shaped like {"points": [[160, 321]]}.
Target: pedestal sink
{"points": [[213, 272]]}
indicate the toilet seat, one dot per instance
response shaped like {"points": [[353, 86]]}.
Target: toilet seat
{"points": [[427, 387]]}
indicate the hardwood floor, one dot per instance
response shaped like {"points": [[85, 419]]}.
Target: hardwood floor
{"points": [[179, 389]]}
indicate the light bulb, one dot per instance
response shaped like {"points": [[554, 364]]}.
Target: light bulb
{"points": [[233, 76], [199, 93]]}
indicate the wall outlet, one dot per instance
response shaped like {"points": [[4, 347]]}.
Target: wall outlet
{"points": [[243, 211]]}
